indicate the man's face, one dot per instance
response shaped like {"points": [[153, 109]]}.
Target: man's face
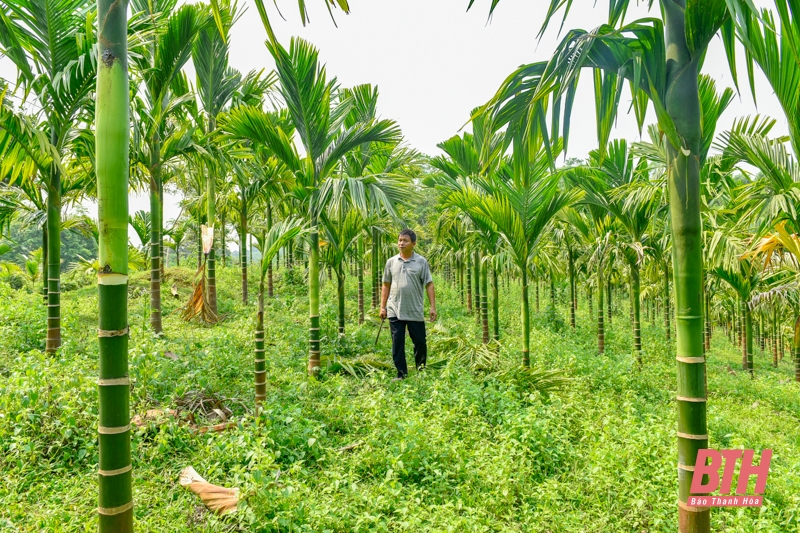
{"points": [[404, 244]]}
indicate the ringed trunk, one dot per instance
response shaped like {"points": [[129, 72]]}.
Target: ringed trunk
{"points": [[683, 182], [526, 322], [313, 302], [484, 303], [53, 272], [155, 237], [115, 505]]}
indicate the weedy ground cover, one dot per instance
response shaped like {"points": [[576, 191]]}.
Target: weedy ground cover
{"points": [[453, 448]]}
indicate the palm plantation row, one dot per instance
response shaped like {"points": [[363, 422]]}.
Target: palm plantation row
{"points": [[635, 215]]}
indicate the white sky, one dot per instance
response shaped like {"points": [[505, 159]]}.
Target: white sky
{"points": [[433, 62]]}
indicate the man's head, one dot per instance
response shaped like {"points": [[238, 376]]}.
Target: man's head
{"points": [[406, 242]]}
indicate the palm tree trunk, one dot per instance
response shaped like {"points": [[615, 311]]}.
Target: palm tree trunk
{"points": [[748, 341], [637, 329], [243, 252], [222, 238], [155, 237], [360, 273], [683, 180], [572, 296], [375, 272], [796, 349], [774, 335], [477, 277], [53, 341], [666, 298], [44, 263], [340, 279], [536, 281], [495, 305], [270, 282], [115, 502], [526, 321], [601, 329], [484, 270], [707, 337], [211, 207], [260, 369], [469, 284], [608, 297], [461, 279], [313, 301]]}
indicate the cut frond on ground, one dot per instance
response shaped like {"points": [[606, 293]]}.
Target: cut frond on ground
{"points": [[219, 499]]}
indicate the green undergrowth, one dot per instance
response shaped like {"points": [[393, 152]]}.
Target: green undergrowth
{"points": [[452, 448]]}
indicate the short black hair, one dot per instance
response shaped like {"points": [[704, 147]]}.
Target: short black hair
{"points": [[410, 234]]}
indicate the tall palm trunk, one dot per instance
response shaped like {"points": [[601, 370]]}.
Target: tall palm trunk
{"points": [[53, 272], [313, 300], [748, 337], [796, 349], [270, 280], [608, 298], [572, 302], [115, 505], [461, 280], [601, 329], [211, 210], [360, 273], [469, 284], [526, 321], [683, 180], [44, 263], [376, 273], [636, 307], [243, 251], [666, 298], [260, 369], [536, 281], [707, 314], [477, 277], [484, 270], [495, 305], [774, 335], [340, 279], [155, 237]]}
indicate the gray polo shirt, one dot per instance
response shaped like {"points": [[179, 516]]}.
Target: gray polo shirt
{"points": [[408, 279]]}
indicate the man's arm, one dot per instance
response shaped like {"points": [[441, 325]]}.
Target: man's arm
{"points": [[384, 297], [432, 300]]}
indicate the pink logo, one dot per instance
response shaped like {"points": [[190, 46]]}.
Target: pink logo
{"points": [[728, 465]]}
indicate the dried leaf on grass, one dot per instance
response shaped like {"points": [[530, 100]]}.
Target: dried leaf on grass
{"points": [[220, 500]]}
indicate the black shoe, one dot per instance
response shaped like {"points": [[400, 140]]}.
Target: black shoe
{"points": [[399, 378]]}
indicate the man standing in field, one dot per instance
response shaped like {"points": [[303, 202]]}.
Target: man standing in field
{"points": [[404, 277]]}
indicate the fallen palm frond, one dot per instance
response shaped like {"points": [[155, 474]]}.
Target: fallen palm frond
{"points": [[534, 379], [198, 304], [359, 368], [162, 416], [219, 499], [476, 356]]}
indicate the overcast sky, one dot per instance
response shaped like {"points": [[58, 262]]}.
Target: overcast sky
{"points": [[433, 61]]}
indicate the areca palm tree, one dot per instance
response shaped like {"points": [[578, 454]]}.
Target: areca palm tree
{"points": [[53, 53], [270, 243], [159, 61], [660, 58], [112, 131], [318, 119]]}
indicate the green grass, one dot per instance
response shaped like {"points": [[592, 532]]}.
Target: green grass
{"points": [[446, 450]]}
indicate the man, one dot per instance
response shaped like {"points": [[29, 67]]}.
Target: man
{"points": [[404, 277]]}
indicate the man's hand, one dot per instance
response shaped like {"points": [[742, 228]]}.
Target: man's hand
{"points": [[383, 312], [433, 314]]}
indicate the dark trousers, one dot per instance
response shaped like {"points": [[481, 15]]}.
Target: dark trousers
{"points": [[416, 330]]}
